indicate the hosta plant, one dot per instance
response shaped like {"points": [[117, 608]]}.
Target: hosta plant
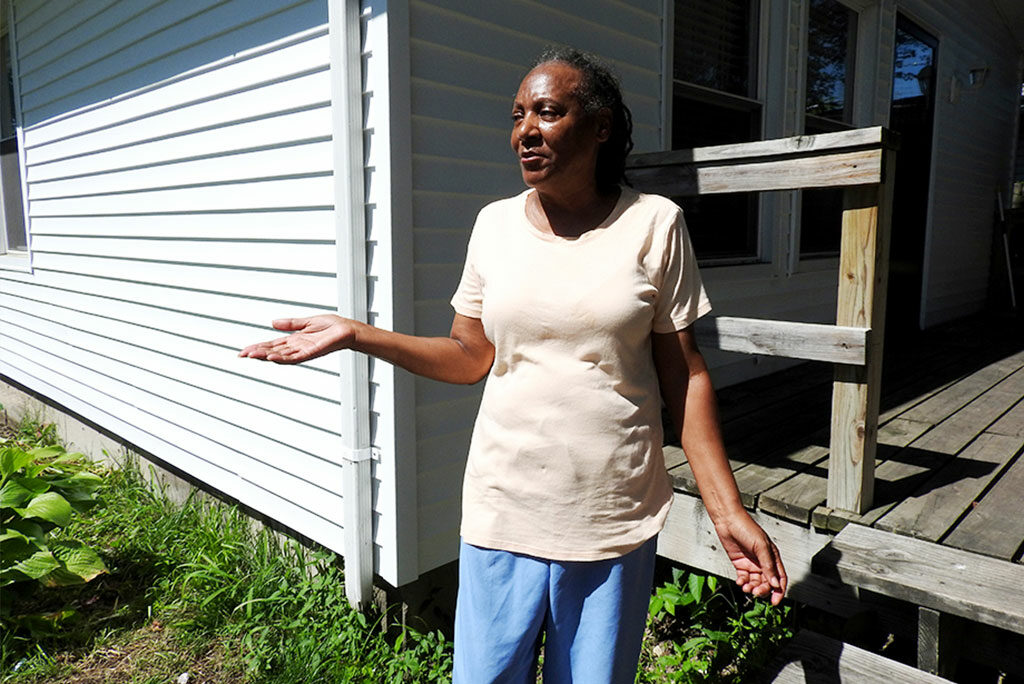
{"points": [[40, 490]]}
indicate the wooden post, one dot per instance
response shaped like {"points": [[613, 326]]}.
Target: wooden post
{"points": [[938, 641], [863, 272]]}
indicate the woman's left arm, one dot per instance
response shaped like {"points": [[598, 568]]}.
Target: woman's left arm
{"points": [[686, 389]]}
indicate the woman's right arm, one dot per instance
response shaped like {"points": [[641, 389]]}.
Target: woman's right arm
{"points": [[464, 357]]}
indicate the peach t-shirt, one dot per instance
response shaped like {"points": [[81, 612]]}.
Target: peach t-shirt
{"points": [[566, 460]]}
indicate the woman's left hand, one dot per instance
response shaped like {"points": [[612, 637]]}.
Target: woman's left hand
{"points": [[759, 569]]}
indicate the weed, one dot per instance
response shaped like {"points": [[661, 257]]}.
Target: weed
{"points": [[195, 587], [199, 576], [699, 631]]}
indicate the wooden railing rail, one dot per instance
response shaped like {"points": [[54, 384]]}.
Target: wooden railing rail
{"points": [[862, 161]]}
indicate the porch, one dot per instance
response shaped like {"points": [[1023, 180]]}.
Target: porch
{"points": [[948, 472]]}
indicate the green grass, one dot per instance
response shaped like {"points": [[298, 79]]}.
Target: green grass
{"points": [[197, 587], [198, 581]]}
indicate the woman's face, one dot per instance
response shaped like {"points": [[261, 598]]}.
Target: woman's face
{"points": [[555, 140]]}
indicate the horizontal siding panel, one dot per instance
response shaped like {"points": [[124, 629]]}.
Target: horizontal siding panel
{"points": [[274, 194], [173, 315], [530, 26], [273, 438], [66, 25], [315, 290], [447, 211], [141, 429], [452, 416], [280, 97], [433, 317], [94, 34], [639, 17], [112, 43], [298, 379], [437, 246], [282, 63], [436, 281], [438, 485], [311, 497], [266, 254], [437, 174], [438, 533], [33, 15], [279, 129], [441, 138], [148, 58], [452, 67], [433, 392], [443, 101], [241, 309], [444, 450], [312, 224]]}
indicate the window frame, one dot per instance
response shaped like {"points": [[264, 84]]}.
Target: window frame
{"points": [[826, 261], [763, 255], [17, 260]]}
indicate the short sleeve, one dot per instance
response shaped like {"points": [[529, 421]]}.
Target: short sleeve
{"points": [[681, 298], [469, 297]]}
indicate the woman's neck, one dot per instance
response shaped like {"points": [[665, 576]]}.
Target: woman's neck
{"points": [[570, 215]]}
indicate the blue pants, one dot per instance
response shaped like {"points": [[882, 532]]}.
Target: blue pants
{"points": [[592, 615]]}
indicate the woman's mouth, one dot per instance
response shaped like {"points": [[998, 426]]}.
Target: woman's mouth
{"points": [[530, 157]]}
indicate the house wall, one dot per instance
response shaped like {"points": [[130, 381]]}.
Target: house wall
{"points": [[974, 130], [466, 60], [179, 164]]}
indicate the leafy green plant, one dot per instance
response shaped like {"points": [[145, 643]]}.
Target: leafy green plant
{"points": [[40, 490], [699, 631]]}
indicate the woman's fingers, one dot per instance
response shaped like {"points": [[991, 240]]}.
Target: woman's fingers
{"points": [[290, 323], [261, 349]]}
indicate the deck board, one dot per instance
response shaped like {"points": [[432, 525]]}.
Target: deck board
{"points": [[948, 467], [1011, 423], [995, 527], [948, 495]]}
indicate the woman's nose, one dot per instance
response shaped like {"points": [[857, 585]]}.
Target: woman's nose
{"points": [[527, 127]]}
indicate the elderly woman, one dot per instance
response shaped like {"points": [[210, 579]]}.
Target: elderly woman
{"points": [[576, 303]]}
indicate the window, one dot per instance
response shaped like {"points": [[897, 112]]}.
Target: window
{"points": [[13, 237], [715, 102], [831, 51]]}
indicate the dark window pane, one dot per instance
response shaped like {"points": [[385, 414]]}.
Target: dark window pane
{"points": [[722, 226], [714, 44], [713, 104], [821, 222], [699, 122], [14, 218], [831, 42], [821, 209]]}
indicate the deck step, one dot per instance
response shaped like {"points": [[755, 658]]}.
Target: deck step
{"points": [[813, 657], [952, 581]]}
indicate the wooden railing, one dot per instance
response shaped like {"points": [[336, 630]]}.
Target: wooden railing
{"points": [[862, 161]]}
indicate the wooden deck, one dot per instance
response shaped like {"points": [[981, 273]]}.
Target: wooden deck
{"points": [[949, 466]]}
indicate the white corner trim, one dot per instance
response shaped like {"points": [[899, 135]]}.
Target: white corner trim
{"points": [[350, 223]]}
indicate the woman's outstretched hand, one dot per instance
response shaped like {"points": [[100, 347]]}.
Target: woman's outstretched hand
{"points": [[759, 569], [311, 337]]}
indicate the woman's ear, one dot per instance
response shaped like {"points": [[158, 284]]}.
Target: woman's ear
{"points": [[604, 124]]}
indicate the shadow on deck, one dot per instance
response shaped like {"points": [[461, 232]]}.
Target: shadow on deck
{"points": [[949, 473], [951, 427]]}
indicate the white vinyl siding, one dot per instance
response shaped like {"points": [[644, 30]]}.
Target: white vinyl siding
{"points": [[179, 172], [973, 138], [466, 60]]}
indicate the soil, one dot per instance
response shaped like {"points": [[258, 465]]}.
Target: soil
{"points": [[151, 654]]}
